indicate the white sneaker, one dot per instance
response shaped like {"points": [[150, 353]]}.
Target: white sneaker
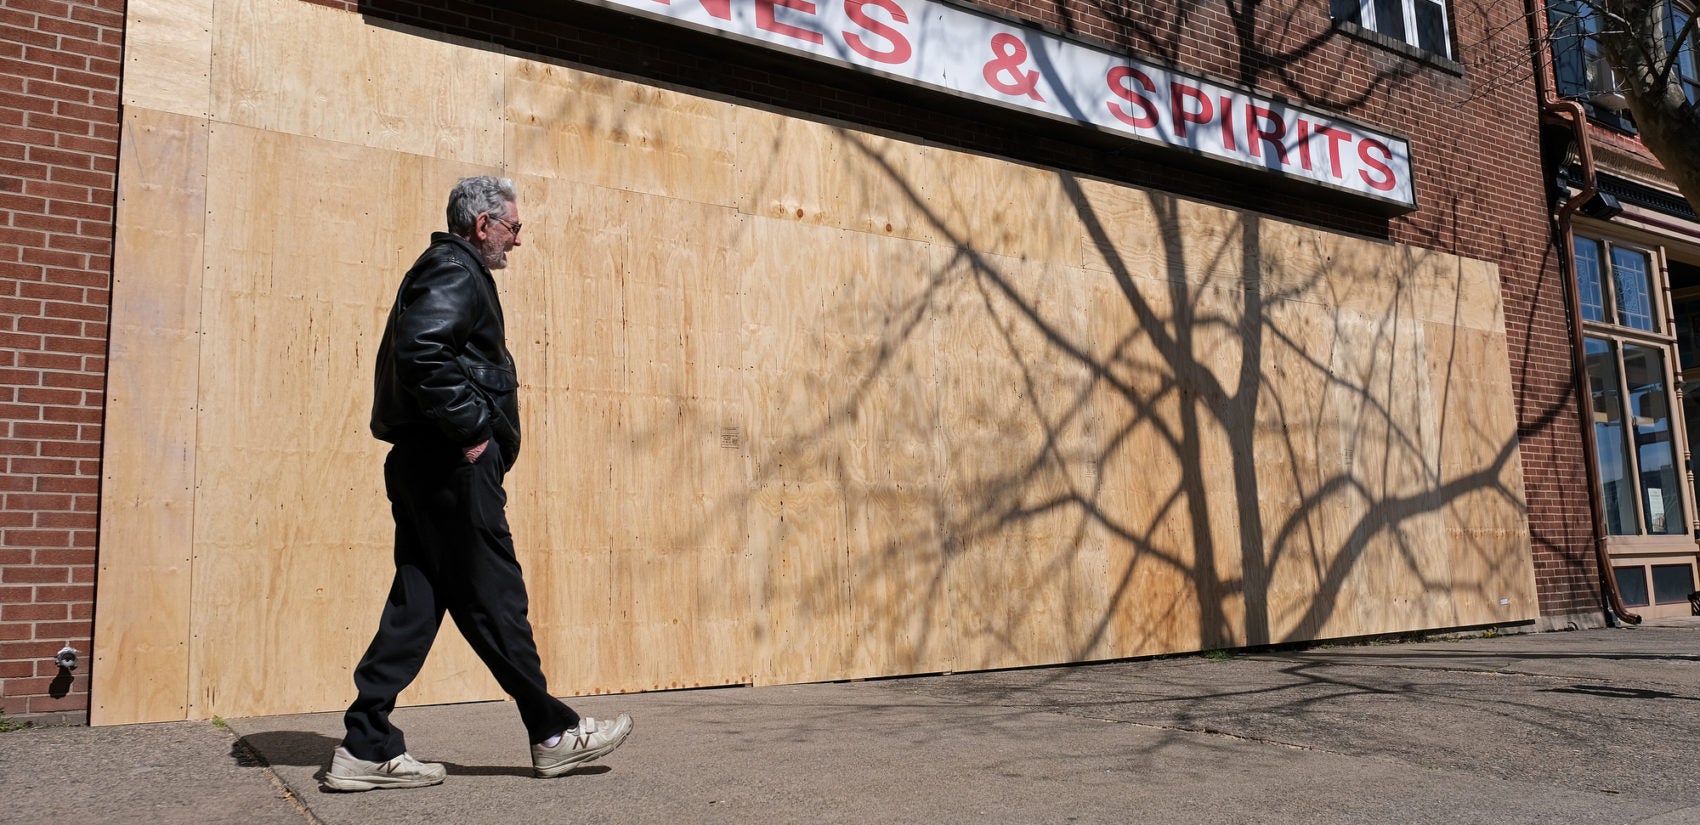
{"points": [[350, 774], [591, 740]]}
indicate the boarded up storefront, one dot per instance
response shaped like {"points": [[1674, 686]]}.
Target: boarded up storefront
{"points": [[802, 400]]}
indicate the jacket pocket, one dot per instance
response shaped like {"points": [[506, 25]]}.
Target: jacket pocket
{"points": [[498, 385], [493, 378]]}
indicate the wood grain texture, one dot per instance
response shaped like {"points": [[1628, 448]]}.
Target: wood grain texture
{"points": [[143, 608], [292, 530], [309, 70], [589, 128], [168, 56]]}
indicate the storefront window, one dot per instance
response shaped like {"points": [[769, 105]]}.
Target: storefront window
{"points": [[1629, 280], [1610, 439], [1629, 274], [1588, 279], [1630, 362], [1681, 39], [1632, 585], [1655, 441], [1672, 583]]}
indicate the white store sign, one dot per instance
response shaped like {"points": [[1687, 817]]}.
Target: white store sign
{"points": [[978, 56]]}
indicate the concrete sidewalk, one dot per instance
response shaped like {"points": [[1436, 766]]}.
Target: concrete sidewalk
{"points": [[1593, 726]]}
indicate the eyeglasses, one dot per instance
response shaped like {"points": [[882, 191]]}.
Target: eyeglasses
{"points": [[513, 227]]}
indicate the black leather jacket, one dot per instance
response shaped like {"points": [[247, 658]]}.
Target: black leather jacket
{"points": [[444, 371]]}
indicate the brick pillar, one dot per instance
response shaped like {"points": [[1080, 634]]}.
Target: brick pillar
{"points": [[59, 71]]}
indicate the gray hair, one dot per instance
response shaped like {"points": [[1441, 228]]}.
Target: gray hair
{"points": [[474, 196]]}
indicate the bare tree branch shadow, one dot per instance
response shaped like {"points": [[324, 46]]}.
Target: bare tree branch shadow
{"points": [[1194, 441]]}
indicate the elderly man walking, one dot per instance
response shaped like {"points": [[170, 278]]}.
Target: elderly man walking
{"points": [[447, 398]]}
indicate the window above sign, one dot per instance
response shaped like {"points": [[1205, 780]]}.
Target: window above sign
{"points": [[1682, 38], [1419, 24], [1581, 70]]}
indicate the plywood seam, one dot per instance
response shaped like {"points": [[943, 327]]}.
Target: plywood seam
{"points": [[212, 68], [133, 343], [190, 661]]}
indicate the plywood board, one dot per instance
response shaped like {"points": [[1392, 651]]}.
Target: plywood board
{"points": [[334, 77], [1155, 595], [1301, 468], [1126, 231], [292, 529], [1018, 461], [1486, 514], [879, 444], [808, 370], [580, 126], [142, 617], [1177, 428], [1453, 291], [826, 174], [623, 318], [1177, 329], [1377, 278], [992, 205], [1378, 411], [168, 56]]}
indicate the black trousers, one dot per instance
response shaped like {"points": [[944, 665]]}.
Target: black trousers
{"points": [[453, 553]]}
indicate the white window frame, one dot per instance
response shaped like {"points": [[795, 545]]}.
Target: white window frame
{"points": [[1366, 14], [1688, 82], [1661, 337]]}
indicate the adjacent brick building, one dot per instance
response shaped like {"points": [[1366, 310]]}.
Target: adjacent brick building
{"points": [[59, 74], [1631, 247]]}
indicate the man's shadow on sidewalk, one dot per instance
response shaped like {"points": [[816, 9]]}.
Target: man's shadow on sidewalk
{"points": [[305, 749]]}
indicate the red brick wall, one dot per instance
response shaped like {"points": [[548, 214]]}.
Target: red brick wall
{"points": [[59, 69], [1554, 473]]}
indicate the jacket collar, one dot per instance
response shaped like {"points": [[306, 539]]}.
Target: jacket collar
{"points": [[465, 246]]}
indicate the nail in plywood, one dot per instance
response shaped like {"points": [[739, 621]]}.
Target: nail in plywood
{"points": [[143, 617]]}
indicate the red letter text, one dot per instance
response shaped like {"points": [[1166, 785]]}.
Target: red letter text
{"points": [[1178, 92], [1147, 118], [765, 19]]}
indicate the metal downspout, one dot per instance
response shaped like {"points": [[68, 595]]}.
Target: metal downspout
{"points": [[1578, 118]]}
